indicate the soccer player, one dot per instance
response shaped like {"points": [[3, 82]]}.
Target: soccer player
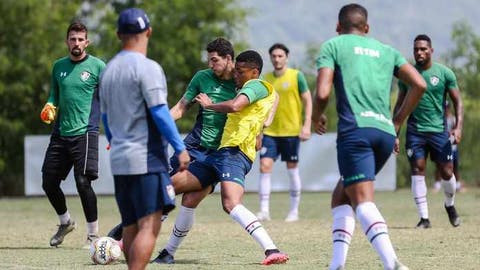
{"points": [[133, 97], [74, 139], [283, 136], [217, 82], [427, 131], [251, 109], [361, 69]]}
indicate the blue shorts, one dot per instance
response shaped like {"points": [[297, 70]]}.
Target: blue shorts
{"points": [[420, 144], [362, 152], [226, 164], [141, 195], [286, 147], [199, 153]]}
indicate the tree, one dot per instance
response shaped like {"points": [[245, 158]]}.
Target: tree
{"points": [[31, 39]]}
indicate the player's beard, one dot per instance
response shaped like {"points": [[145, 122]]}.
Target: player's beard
{"points": [[76, 51]]}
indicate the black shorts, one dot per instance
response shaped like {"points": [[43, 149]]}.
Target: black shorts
{"points": [[80, 151]]}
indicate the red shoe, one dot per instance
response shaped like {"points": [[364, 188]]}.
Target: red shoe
{"points": [[274, 256]]}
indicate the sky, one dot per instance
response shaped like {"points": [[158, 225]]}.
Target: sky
{"points": [[302, 22]]}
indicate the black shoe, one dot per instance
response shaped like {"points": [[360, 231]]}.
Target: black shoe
{"points": [[63, 229], [453, 216], [164, 258], [424, 223], [116, 232]]}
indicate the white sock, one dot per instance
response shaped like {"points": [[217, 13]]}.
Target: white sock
{"points": [[64, 218], [419, 191], [183, 224], [92, 228], [449, 188], [376, 231], [250, 223], [342, 232], [295, 189], [264, 191]]}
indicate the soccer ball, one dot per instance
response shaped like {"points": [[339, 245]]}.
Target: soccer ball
{"points": [[105, 250]]}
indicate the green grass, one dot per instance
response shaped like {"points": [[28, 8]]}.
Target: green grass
{"points": [[216, 242]]}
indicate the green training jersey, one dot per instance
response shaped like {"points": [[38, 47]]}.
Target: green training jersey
{"points": [[429, 116], [363, 72], [209, 124], [74, 90]]}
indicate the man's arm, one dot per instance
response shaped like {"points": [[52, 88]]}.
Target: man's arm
{"points": [[458, 105], [234, 105], [180, 108], [272, 112], [322, 94], [307, 122], [409, 75]]}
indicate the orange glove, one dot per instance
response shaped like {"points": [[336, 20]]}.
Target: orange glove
{"points": [[48, 113]]}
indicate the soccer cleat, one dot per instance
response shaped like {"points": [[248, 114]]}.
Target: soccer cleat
{"points": [[424, 223], [63, 229], [453, 216], [263, 216], [116, 232], [274, 256], [399, 266], [164, 258], [89, 241], [291, 217]]}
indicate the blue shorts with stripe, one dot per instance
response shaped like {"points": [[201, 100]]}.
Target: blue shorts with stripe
{"points": [[141, 195], [286, 147], [362, 152], [420, 144], [197, 153], [225, 164]]}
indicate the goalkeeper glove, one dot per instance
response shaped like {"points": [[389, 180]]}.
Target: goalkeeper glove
{"points": [[48, 113]]}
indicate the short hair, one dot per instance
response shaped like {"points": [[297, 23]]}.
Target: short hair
{"points": [[425, 38], [222, 47], [251, 57], [352, 16], [279, 46], [77, 27]]}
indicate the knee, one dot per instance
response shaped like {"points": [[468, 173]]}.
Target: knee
{"points": [[228, 206], [83, 183], [192, 200], [50, 182]]}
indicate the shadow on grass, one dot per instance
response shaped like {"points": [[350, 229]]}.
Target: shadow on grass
{"points": [[34, 248]]}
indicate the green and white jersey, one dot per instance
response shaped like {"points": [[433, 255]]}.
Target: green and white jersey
{"points": [[208, 128], [429, 116], [363, 72], [74, 90]]}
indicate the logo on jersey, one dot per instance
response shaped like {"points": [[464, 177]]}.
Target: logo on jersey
{"points": [[170, 192], [409, 152], [84, 75], [217, 89], [285, 85], [434, 80], [63, 74]]}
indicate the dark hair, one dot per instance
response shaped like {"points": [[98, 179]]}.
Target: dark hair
{"points": [[352, 16], [251, 57], [77, 27], [423, 37], [222, 47], [279, 46]]}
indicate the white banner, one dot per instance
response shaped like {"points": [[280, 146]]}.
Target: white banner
{"points": [[318, 168]]}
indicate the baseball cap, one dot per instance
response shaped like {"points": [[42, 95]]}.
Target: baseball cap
{"points": [[132, 21]]}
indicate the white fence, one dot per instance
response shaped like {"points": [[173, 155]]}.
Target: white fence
{"points": [[318, 168]]}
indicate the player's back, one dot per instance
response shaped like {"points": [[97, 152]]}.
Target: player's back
{"points": [[364, 69]]}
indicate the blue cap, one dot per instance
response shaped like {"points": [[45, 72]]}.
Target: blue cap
{"points": [[132, 21]]}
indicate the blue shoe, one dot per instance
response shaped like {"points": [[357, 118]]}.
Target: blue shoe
{"points": [[164, 258]]}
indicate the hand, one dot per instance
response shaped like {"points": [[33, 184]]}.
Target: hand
{"points": [[183, 160], [396, 147], [320, 124], [47, 115], [456, 133], [203, 100], [305, 134]]}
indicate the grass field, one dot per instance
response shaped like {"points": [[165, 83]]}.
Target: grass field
{"points": [[216, 242]]}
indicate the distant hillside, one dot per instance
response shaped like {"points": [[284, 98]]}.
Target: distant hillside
{"points": [[302, 22]]}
